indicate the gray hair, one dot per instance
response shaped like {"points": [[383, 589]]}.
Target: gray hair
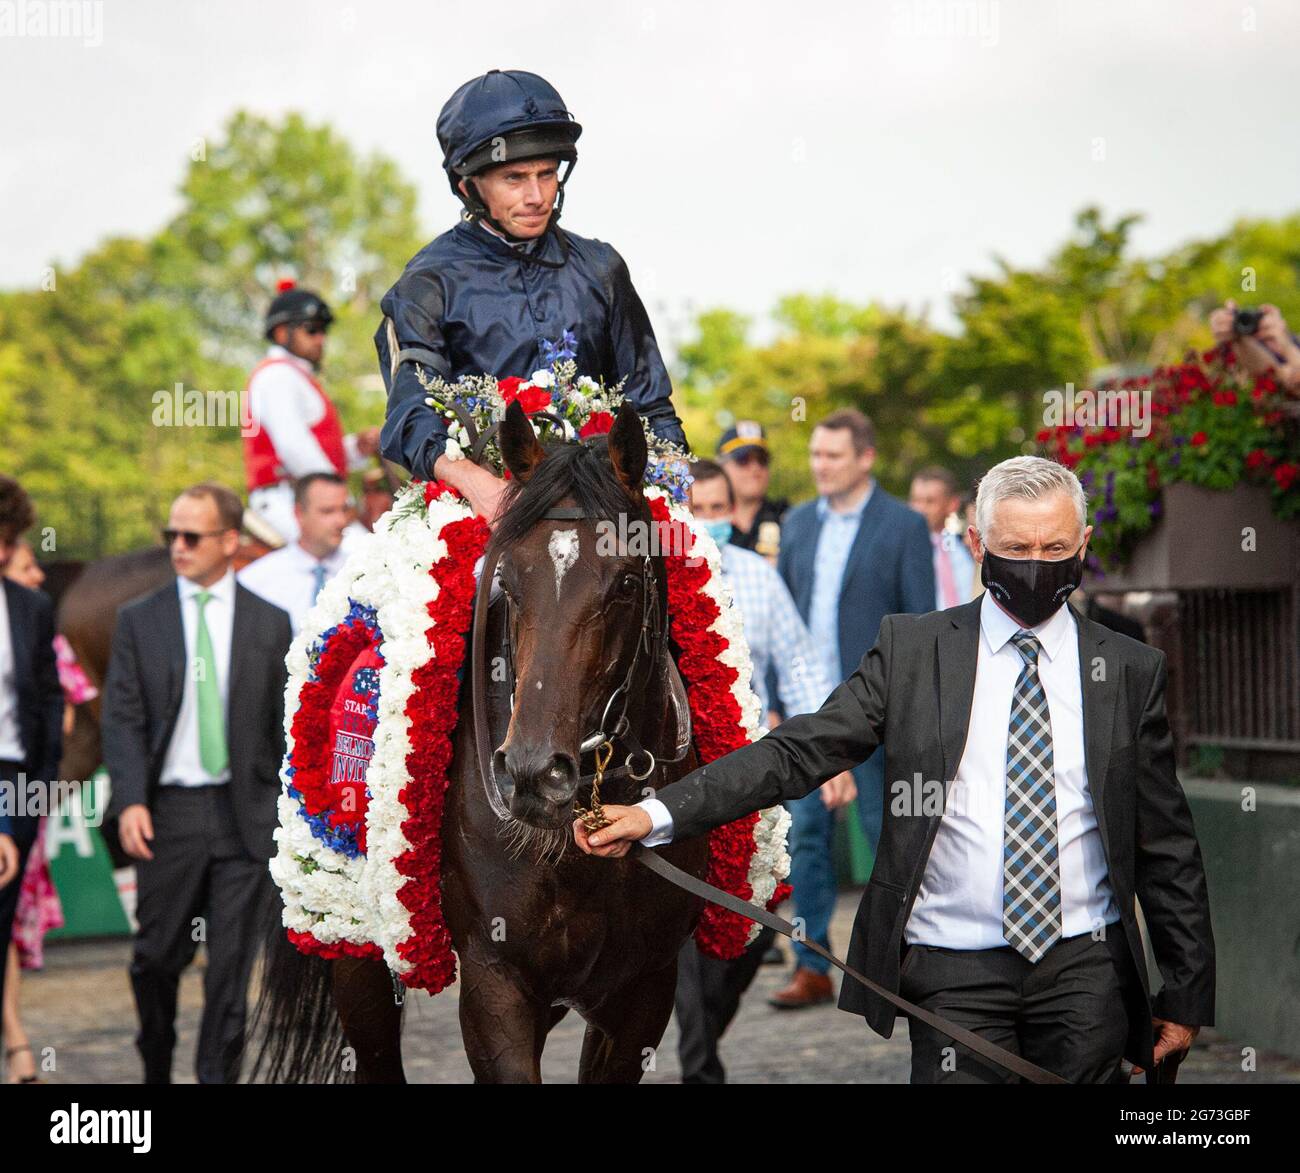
{"points": [[1028, 477]]}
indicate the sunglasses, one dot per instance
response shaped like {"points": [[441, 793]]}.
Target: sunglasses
{"points": [[190, 537], [314, 328], [753, 456]]}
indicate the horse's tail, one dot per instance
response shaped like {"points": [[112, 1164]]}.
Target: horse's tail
{"points": [[298, 1037]]}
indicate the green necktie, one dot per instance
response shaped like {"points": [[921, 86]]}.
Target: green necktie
{"points": [[212, 733]]}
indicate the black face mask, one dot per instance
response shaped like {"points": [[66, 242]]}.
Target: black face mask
{"points": [[1032, 589]]}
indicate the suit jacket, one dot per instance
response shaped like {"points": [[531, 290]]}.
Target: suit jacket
{"points": [[36, 679], [142, 699], [890, 569], [912, 694]]}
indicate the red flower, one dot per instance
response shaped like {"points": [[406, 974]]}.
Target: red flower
{"points": [[533, 399], [598, 425], [1225, 399], [1199, 439], [1258, 458], [1285, 475], [530, 398]]}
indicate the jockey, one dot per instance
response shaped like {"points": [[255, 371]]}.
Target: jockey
{"points": [[501, 290], [295, 426]]}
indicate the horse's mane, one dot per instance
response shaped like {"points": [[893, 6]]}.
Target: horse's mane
{"points": [[581, 471]]}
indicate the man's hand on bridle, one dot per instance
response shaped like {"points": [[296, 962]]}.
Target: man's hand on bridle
{"points": [[626, 824]]}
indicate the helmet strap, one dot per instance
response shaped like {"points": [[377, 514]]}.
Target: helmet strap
{"points": [[476, 209]]}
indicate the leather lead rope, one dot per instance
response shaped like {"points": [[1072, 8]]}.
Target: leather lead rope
{"points": [[996, 1055]]}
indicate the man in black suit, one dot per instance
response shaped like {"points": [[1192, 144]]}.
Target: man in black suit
{"points": [[193, 738], [31, 710], [1003, 900]]}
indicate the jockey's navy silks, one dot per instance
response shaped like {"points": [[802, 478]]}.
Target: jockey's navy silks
{"points": [[470, 304]]}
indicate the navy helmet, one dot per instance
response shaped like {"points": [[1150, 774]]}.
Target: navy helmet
{"points": [[504, 116]]}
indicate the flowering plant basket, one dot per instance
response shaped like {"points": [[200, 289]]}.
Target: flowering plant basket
{"points": [[1205, 422]]}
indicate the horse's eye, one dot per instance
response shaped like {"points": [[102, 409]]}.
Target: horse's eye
{"points": [[628, 584]]}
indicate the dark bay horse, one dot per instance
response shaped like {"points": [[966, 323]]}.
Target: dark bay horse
{"points": [[540, 928]]}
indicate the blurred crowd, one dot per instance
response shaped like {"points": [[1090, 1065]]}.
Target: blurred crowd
{"points": [[204, 654]]}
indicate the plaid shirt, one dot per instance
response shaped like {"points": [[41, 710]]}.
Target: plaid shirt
{"points": [[777, 636]]}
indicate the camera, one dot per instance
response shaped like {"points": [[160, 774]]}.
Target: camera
{"points": [[1246, 321]]}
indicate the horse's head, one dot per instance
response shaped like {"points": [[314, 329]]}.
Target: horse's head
{"points": [[579, 586]]}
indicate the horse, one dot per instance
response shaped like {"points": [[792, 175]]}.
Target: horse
{"points": [[540, 927]]}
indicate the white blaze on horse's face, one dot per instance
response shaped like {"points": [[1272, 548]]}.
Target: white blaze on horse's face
{"points": [[563, 548]]}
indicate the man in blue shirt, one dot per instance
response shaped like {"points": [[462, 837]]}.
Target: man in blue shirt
{"points": [[709, 989], [850, 557]]}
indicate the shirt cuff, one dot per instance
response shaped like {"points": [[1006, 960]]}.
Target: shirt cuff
{"points": [[661, 823]]}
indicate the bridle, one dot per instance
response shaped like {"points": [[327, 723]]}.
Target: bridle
{"points": [[614, 725]]}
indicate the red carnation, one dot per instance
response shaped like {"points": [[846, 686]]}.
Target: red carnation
{"points": [[509, 388], [1199, 439], [1285, 475], [1258, 458], [598, 425], [533, 399]]}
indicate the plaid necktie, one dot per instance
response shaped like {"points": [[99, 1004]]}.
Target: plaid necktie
{"points": [[1031, 874]]}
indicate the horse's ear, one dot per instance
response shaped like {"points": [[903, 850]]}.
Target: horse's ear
{"points": [[519, 447], [627, 448]]}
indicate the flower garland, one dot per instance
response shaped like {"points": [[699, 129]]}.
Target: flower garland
{"points": [[572, 407], [415, 574], [747, 857], [406, 598]]}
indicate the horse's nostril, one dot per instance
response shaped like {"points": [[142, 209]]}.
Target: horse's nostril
{"points": [[559, 777], [552, 777]]}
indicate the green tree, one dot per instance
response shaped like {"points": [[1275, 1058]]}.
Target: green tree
{"points": [[82, 365]]}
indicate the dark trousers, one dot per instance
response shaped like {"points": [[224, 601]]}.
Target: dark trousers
{"points": [[201, 885], [1066, 1013], [23, 828], [708, 996]]}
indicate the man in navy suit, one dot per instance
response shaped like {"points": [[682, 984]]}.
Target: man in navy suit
{"points": [[850, 557], [31, 709]]}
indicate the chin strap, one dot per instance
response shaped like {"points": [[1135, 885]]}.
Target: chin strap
{"points": [[475, 209]]}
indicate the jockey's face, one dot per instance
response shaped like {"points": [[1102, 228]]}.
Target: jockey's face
{"points": [[297, 338], [520, 196]]}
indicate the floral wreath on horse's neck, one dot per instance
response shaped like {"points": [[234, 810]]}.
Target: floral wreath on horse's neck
{"points": [[561, 405]]}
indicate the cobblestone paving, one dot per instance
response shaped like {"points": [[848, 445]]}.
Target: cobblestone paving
{"points": [[81, 1006]]}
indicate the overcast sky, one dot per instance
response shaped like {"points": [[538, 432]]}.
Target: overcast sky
{"points": [[732, 151]]}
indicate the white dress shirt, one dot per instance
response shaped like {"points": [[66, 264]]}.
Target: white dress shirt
{"points": [[287, 578], [282, 400], [11, 736], [181, 764], [959, 905]]}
